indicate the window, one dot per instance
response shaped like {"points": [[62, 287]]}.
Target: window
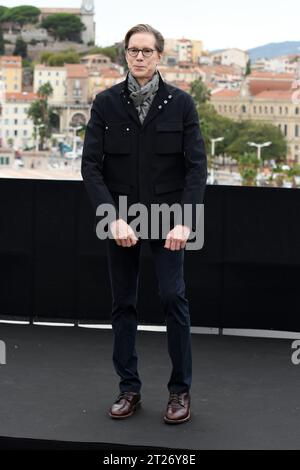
{"points": [[297, 111], [296, 130], [16, 110], [244, 108], [286, 110], [280, 109], [24, 133], [15, 87], [254, 109], [260, 110], [272, 110], [15, 121], [266, 109], [25, 122], [285, 129], [15, 133], [6, 121]]}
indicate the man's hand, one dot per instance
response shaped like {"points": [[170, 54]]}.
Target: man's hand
{"points": [[177, 237], [123, 233]]}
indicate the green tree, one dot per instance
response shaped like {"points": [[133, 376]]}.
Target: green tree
{"points": [[3, 11], [2, 45], [248, 68], [21, 48], [60, 58], [22, 14], [199, 91], [214, 125], [258, 132], [64, 26], [41, 113], [248, 165]]}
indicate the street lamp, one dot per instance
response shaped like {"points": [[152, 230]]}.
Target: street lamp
{"points": [[213, 146], [259, 147], [37, 126]]}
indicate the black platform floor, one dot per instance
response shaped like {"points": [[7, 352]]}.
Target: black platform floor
{"points": [[58, 383]]}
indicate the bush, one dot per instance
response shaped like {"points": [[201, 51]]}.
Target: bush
{"points": [[22, 14], [64, 26]]}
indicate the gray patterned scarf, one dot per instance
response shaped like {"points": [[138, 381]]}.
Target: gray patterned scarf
{"points": [[142, 96]]}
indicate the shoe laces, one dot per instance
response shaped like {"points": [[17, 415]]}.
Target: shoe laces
{"points": [[176, 399], [126, 395]]}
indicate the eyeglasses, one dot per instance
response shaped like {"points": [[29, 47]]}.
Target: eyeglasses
{"points": [[134, 51]]}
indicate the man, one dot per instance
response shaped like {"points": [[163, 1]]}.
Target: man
{"points": [[143, 141]]}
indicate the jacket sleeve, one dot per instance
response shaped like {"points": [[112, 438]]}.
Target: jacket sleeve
{"points": [[195, 160], [92, 157]]}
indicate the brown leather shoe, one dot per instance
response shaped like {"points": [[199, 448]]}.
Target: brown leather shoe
{"points": [[178, 408], [125, 405]]}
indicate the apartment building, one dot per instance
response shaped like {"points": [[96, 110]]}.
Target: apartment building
{"points": [[11, 73], [56, 76], [16, 129]]}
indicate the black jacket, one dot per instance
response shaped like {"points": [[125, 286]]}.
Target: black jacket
{"points": [[160, 161]]}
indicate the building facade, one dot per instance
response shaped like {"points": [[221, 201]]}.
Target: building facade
{"points": [[56, 76], [16, 129], [11, 73], [274, 100]]}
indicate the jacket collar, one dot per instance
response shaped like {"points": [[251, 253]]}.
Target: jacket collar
{"points": [[163, 96]]}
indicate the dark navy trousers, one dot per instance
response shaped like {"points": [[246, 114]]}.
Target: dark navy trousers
{"points": [[123, 265]]}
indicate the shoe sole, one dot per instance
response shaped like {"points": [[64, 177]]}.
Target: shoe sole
{"points": [[136, 407], [177, 421]]}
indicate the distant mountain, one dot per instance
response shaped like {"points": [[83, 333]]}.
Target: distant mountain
{"points": [[274, 49]]}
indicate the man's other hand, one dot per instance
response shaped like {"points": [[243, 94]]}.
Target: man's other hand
{"points": [[123, 233], [177, 237]]}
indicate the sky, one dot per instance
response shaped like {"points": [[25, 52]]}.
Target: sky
{"points": [[220, 24]]}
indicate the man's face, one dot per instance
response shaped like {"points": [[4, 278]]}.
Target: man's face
{"points": [[142, 67]]}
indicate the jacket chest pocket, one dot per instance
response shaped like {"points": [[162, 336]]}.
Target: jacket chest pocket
{"points": [[118, 138], [169, 137]]}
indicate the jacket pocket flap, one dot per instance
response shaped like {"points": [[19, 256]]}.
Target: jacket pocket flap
{"points": [[115, 186], [169, 126], [168, 186]]}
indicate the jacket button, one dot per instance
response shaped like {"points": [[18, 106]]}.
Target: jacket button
{"points": [[128, 102], [160, 106], [127, 129], [165, 101], [106, 127], [170, 96]]}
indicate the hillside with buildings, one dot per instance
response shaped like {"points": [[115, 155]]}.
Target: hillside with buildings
{"points": [[267, 90], [37, 35]]}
